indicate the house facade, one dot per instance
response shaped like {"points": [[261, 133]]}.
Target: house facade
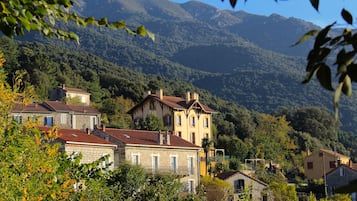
{"points": [[91, 147], [319, 163], [157, 153], [187, 118], [51, 113], [244, 184], [68, 94], [340, 177]]}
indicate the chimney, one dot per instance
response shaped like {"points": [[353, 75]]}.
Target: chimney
{"points": [[63, 86], [160, 93], [87, 131], [168, 138], [103, 127], [147, 93], [160, 138], [195, 96], [188, 96]]}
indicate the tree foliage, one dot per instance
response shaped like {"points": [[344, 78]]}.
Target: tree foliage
{"points": [[17, 17]]}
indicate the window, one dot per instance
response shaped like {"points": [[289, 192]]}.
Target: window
{"points": [[191, 186], [310, 165], [333, 164], [239, 185], [192, 121], [178, 120], [167, 120], [18, 119], [63, 118], [173, 164], [152, 105], [135, 159], [48, 121], [191, 165], [179, 134], [155, 163], [342, 172], [193, 138], [205, 122]]}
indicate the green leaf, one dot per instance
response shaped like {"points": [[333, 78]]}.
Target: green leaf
{"points": [[344, 59], [90, 20], [141, 31], [151, 35], [315, 4], [336, 99], [233, 3], [311, 73], [324, 76], [347, 16], [352, 71], [306, 36], [347, 86], [321, 36], [103, 21], [119, 24]]}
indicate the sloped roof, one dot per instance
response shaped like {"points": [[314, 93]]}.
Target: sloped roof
{"points": [[75, 90], [174, 102], [150, 138], [68, 135], [333, 153], [226, 175], [32, 107], [54, 106]]}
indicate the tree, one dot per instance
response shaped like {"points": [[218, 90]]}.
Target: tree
{"points": [[17, 17], [216, 189], [206, 145], [283, 191]]}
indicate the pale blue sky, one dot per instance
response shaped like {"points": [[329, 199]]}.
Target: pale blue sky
{"points": [[329, 10]]}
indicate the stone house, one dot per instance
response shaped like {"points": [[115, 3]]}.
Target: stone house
{"points": [[92, 147], [340, 177], [243, 183], [50, 113], [66, 94], [157, 153], [187, 117], [317, 164]]}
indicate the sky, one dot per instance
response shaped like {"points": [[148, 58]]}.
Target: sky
{"points": [[329, 10]]}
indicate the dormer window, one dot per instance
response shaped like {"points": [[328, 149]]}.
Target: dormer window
{"points": [[152, 105]]}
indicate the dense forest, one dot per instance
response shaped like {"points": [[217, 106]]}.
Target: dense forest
{"points": [[283, 136]]}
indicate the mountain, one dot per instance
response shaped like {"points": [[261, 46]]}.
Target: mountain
{"points": [[244, 58]]}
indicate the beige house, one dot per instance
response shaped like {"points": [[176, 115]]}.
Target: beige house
{"points": [[157, 153], [244, 184], [318, 164], [50, 113], [67, 94], [92, 147]]}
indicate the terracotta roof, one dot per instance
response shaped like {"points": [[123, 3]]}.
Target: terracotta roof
{"points": [[60, 106], [174, 102], [74, 135], [333, 153], [33, 107], [142, 137], [226, 175], [76, 90]]}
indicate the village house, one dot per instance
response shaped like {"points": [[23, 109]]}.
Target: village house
{"points": [[70, 95], [157, 152], [319, 163], [187, 118], [341, 177], [91, 147], [244, 184], [50, 113]]}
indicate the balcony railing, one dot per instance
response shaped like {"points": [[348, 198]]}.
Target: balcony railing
{"points": [[179, 170]]}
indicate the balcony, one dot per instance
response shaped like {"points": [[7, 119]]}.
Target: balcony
{"points": [[180, 170]]}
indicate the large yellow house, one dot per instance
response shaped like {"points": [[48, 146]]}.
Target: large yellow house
{"points": [[186, 117]]}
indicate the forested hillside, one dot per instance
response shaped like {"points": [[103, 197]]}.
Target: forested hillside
{"points": [[220, 51]]}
